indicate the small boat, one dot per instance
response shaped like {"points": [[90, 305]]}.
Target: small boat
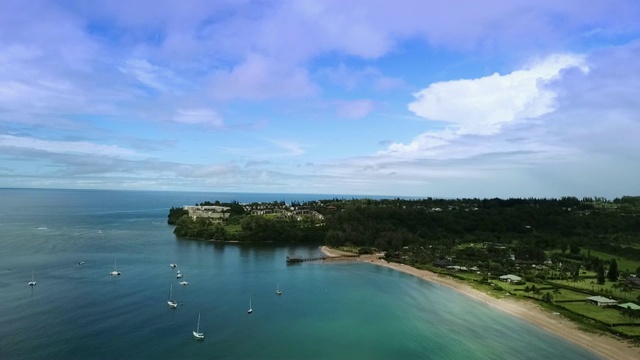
{"points": [[185, 283], [81, 263], [250, 309], [33, 279], [173, 265], [172, 304], [179, 275], [278, 291], [115, 271], [197, 334]]}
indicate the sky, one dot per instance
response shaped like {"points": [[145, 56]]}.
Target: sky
{"points": [[424, 98]]}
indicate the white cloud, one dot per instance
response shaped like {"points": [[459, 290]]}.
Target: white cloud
{"points": [[201, 116], [481, 106], [65, 147], [154, 76], [292, 148], [260, 78], [355, 109]]}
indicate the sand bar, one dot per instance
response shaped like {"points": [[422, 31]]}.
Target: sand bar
{"points": [[603, 345]]}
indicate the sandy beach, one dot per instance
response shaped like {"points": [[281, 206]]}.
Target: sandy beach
{"points": [[604, 345]]}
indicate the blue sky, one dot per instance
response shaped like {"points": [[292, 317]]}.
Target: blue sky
{"points": [[405, 98]]}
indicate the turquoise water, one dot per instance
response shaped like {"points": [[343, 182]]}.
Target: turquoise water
{"points": [[327, 311]]}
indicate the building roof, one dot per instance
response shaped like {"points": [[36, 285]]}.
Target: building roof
{"points": [[510, 277], [601, 299], [633, 279], [631, 306]]}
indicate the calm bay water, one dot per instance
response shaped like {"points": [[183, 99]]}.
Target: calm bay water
{"points": [[330, 311]]}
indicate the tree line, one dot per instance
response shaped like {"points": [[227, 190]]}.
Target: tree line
{"points": [[528, 226]]}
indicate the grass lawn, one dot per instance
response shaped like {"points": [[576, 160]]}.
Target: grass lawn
{"points": [[628, 330], [630, 296], [569, 295], [604, 314], [623, 264], [351, 249], [581, 284], [233, 229]]}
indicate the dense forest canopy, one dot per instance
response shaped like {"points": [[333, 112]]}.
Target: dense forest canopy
{"points": [[527, 225]]}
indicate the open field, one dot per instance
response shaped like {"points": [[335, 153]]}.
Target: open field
{"points": [[623, 264], [603, 314]]}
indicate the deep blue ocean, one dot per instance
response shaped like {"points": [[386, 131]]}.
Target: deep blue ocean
{"points": [[327, 310]]}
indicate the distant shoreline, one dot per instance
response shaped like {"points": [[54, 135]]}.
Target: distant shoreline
{"points": [[601, 344]]}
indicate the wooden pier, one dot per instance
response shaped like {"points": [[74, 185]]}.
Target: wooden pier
{"points": [[295, 259], [299, 259]]}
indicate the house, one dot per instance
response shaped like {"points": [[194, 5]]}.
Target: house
{"points": [[510, 278], [208, 211], [633, 281], [601, 301], [631, 306], [442, 263]]}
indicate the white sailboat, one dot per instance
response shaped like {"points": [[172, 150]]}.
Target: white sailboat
{"points": [[173, 265], [178, 275], [115, 271], [172, 304], [197, 334], [250, 309], [33, 278], [185, 283], [278, 291]]}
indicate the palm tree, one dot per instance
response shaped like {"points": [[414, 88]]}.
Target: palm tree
{"points": [[537, 291]]}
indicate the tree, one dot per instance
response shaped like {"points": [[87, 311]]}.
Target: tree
{"points": [[613, 273], [616, 286], [574, 248], [600, 276]]}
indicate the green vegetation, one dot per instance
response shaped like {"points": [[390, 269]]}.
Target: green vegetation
{"points": [[175, 214], [605, 315], [564, 250]]}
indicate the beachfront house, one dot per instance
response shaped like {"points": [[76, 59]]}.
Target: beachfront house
{"points": [[510, 278], [601, 301]]}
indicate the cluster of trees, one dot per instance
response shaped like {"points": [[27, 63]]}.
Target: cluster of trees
{"points": [[251, 228], [433, 227]]}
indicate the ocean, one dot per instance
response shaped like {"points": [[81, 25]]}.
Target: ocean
{"points": [[327, 310]]}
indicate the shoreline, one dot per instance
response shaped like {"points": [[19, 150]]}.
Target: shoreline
{"points": [[603, 345]]}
